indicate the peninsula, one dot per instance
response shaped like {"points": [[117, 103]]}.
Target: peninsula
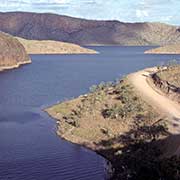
{"points": [[127, 122], [53, 47], [169, 49]]}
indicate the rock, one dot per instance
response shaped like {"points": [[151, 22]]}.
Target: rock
{"points": [[72, 122], [110, 91], [104, 131], [119, 152], [83, 97], [58, 122], [65, 118]]}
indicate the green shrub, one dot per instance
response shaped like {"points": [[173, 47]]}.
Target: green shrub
{"points": [[114, 112], [93, 88], [172, 63]]}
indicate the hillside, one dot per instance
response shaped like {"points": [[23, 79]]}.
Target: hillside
{"points": [[102, 114], [53, 47], [126, 123], [12, 52], [169, 49], [86, 32], [117, 123]]}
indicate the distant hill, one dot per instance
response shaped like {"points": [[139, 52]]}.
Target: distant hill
{"points": [[12, 52], [86, 32], [169, 49], [53, 47]]}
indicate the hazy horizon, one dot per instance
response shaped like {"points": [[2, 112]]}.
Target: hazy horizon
{"points": [[164, 11], [89, 18]]}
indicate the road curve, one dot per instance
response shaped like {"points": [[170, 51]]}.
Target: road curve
{"points": [[164, 105]]}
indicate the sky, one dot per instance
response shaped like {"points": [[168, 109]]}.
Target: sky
{"points": [[166, 11]]}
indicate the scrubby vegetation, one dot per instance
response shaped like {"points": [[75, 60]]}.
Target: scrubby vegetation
{"points": [[52, 47], [141, 156], [111, 106], [127, 104], [114, 121], [171, 74]]}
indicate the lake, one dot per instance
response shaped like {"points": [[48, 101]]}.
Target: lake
{"points": [[29, 146]]}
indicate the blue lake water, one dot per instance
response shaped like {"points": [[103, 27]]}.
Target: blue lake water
{"points": [[29, 146]]}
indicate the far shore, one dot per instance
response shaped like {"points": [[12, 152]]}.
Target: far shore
{"points": [[53, 47], [168, 49]]}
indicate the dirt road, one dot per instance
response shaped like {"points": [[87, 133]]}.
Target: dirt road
{"points": [[163, 104]]}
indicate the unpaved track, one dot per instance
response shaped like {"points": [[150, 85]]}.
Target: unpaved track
{"points": [[163, 104]]}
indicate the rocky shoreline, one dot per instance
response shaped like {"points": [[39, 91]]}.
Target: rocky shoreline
{"points": [[4, 68]]}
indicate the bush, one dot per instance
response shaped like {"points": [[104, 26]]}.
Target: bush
{"points": [[114, 112], [93, 88], [172, 63], [101, 86]]}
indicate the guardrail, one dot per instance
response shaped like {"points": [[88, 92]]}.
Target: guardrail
{"points": [[167, 88]]}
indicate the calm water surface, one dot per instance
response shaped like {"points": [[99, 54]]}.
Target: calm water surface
{"points": [[29, 147]]}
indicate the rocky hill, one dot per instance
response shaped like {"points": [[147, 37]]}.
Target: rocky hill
{"points": [[169, 49], [12, 52], [53, 47], [80, 31]]}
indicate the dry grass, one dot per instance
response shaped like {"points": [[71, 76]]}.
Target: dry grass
{"points": [[91, 126], [114, 121], [171, 74], [53, 47], [169, 49]]}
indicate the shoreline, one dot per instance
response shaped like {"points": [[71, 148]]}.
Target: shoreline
{"points": [[82, 127], [68, 53], [167, 49], [14, 66], [107, 152], [109, 162], [166, 53]]}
